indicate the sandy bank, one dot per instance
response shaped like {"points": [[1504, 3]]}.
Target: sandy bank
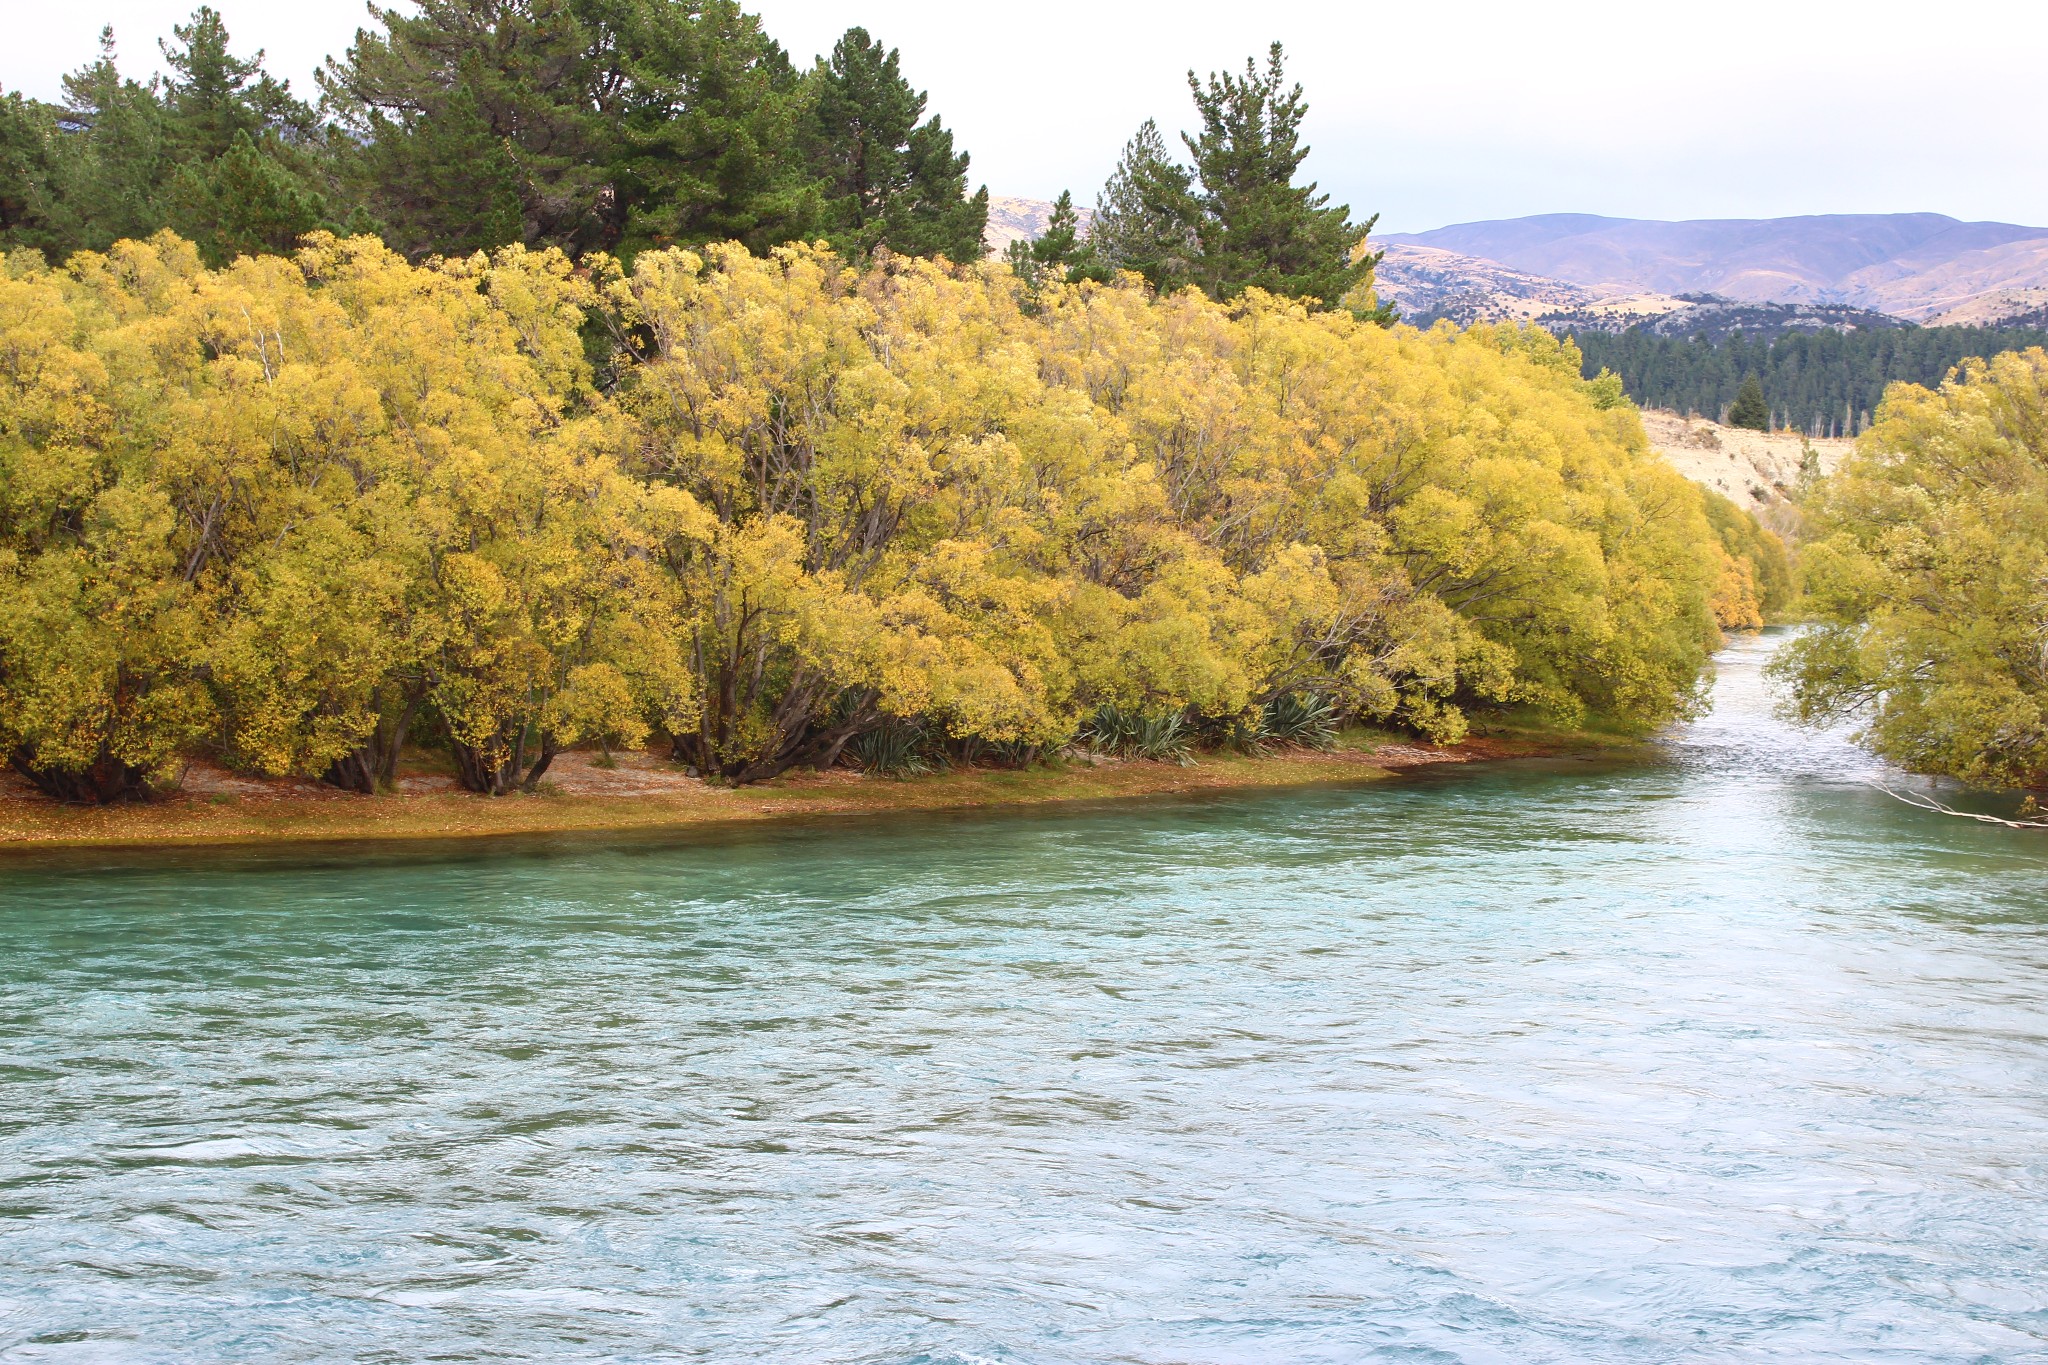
{"points": [[643, 793]]}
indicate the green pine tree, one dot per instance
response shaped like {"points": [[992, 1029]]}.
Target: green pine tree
{"points": [[245, 152], [206, 100], [31, 211], [218, 151], [585, 124], [888, 179], [1056, 253], [111, 165], [1749, 409], [242, 203], [1258, 228], [1061, 240], [709, 131], [444, 185], [482, 122], [1145, 217]]}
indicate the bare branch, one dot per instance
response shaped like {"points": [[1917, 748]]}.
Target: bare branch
{"points": [[1928, 803]]}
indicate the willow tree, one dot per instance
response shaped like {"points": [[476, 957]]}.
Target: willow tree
{"points": [[293, 513], [1927, 566], [814, 426]]}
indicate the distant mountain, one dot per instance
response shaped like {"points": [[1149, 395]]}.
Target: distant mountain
{"points": [[1585, 272], [1912, 265]]}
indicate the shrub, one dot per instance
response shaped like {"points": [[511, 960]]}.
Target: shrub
{"points": [[894, 748], [1303, 718]]}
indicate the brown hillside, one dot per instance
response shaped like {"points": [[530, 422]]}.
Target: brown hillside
{"points": [[1754, 469], [1011, 219], [1915, 265]]}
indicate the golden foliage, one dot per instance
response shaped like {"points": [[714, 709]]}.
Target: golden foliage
{"points": [[1928, 571], [290, 508]]}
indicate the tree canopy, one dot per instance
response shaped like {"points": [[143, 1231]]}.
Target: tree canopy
{"points": [[297, 511]]}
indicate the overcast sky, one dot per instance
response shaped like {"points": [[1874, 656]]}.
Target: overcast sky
{"points": [[1429, 113]]}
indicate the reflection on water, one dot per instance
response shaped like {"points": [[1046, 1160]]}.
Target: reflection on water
{"points": [[1722, 1056]]}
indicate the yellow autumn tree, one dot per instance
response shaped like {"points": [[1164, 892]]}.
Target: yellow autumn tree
{"points": [[296, 513], [1928, 576]]}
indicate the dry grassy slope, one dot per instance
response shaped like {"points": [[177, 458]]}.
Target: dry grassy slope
{"points": [[2014, 268], [1754, 469], [1011, 219], [1994, 308], [1423, 280]]}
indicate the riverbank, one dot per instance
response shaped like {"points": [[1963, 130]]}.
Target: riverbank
{"points": [[641, 793]]}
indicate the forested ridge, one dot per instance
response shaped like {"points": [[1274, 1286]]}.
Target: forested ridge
{"points": [[297, 512], [1824, 383]]}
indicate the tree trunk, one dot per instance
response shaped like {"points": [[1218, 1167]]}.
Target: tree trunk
{"points": [[499, 767], [373, 765], [355, 771], [486, 770], [548, 750], [108, 780], [818, 749], [798, 742], [387, 765]]}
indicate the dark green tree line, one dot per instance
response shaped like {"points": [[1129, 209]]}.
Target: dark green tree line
{"points": [[218, 151], [1823, 383], [620, 126], [460, 125]]}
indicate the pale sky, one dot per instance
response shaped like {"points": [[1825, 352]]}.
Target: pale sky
{"points": [[1431, 114]]}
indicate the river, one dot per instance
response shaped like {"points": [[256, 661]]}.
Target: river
{"points": [[1713, 1055]]}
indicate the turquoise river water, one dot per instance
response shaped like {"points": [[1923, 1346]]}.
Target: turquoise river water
{"points": [[1715, 1055]]}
